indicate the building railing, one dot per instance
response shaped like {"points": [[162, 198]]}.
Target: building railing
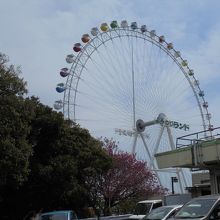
{"points": [[198, 137]]}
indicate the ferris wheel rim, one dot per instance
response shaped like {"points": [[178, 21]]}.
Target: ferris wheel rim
{"points": [[144, 36]]}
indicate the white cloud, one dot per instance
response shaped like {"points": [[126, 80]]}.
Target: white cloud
{"points": [[38, 34]]}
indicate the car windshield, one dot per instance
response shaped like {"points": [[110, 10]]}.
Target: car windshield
{"points": [[142, 208], [196, 208], [158, 213], [60, 216]]}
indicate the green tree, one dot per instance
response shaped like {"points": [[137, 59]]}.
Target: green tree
{"points": [[64, 155], [15, 117], [45, 160]]}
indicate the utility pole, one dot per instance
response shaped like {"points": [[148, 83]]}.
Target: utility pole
{"points": [[173, 180]]}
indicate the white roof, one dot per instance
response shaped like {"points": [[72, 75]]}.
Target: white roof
{"points": [[151, 201]]}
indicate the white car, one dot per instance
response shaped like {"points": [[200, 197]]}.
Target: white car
{"points": [[143, 208], [163, 212]]}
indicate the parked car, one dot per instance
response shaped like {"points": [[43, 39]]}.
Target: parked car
{"points": [[59, 215], [144, 207], [176, 199], [200, 208], [163, 212]]}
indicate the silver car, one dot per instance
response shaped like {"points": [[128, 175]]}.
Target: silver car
{"points": [[163, 212]]}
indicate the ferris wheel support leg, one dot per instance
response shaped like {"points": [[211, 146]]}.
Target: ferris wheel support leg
{"points": [[178, 170], [145, 145], [179, 178], [134, 143], [172, 145], [156, 146], [183, 176], [149, 155]]}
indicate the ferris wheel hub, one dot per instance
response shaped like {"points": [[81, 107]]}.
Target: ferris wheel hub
{"points": [[161, 117], [140, 124]]}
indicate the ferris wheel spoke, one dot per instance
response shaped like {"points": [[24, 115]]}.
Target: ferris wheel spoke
{"points": [[118, 82], [133, 87], [131, 63], [108, 81], [99, 97], [112, 110]]}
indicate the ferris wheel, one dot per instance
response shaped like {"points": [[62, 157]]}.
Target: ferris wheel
{"points": [[127, 83]]}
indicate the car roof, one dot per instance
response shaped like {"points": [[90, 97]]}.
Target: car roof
{"points": [[56, 212], [169, 206], [151, 201], [214, 196], [173, 206]]}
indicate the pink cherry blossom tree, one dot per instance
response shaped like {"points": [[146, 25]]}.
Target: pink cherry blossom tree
{"points": [[126, 178]]}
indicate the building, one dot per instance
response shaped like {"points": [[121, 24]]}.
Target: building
{"points": [[200, 154]]}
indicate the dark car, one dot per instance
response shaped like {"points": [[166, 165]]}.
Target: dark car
{"points": [[200, 208], [59, 215]]}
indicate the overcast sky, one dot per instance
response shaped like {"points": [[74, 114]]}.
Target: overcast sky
{"points": [[37, 35]]}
